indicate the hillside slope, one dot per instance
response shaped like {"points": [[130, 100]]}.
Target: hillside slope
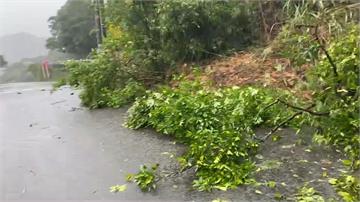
{"points": [[17, 46]]}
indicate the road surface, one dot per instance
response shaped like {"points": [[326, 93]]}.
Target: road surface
{"points": [[51, 148]]}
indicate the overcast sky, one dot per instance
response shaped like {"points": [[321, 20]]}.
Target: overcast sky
{"points": [[27, 16]]}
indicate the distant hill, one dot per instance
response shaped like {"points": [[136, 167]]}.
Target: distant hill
{"points": [[17, 46]]}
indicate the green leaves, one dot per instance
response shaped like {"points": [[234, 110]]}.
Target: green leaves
{"points": [[347, 186], [72, 27], [118, 188], [104, 82], [145, 178], [308, 194], [332, 181], [194, 30], [217, 125], [341, 95]]}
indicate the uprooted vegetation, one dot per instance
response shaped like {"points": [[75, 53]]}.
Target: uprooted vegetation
{"points": [[308, 77]]}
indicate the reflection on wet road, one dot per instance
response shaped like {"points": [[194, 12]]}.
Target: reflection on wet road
{"points": [[52, 148]]}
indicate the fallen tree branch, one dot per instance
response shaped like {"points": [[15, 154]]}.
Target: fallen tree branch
{"points": [[322, 47], [271, 104], [305, 109], [296, 107], [285, 122]]}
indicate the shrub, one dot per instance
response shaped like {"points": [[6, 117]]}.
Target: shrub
{"points": [[327, 40], [308, 20], [194, 30], [218, 126], [119, 97], [347, 186], [145, 38], [168, 32], [108, 78], [146, 178], [339, 95]]}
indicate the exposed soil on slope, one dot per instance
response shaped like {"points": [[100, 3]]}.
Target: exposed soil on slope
{"points": [[247, 68]]}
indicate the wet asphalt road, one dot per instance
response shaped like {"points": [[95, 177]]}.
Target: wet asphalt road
{"points": [[52, 148]]}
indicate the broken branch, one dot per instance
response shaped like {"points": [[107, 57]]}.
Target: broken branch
{"points": [[285, 122], [305, 109]]}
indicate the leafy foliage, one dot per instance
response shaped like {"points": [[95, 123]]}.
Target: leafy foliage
{"points": [[144, 42], [59, 83], [204, 28], [120, 97], [308, 20], [71, 28], [326, 37], [100, 91], [147, 38], [348, 187], [105, 79], [216, 124], [118, 188], [339, 95], [183, 30], [145, 178], [308, 194]]}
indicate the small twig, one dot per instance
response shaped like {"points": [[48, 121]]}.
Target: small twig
{"points": [[305, 109], [57, 102], [176, 173], [280, 125], [284, 123], [296, 107], [304, 25], [271, 104], [277, 23], [322, 47], [216, 54], [330, 60], [301, 111]]}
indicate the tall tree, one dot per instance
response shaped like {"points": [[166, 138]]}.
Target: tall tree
{"points": [[3, 62], [72, 28]]}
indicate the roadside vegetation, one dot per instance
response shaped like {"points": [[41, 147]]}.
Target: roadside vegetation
{"points": [[172, 58], [29, 69]]}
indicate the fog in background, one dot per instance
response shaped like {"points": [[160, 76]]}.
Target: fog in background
{"points": [[27, 16]]}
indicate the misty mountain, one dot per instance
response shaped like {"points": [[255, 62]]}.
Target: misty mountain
{"points": [[17, 46]]}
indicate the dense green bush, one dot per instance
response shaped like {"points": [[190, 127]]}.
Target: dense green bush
{"points": [[194, 30], [119, 97], [310, 24], [145, 38], [104, 79], [218, 126], [101, 85], [338, 94], [182, 30], [326, 38]]}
